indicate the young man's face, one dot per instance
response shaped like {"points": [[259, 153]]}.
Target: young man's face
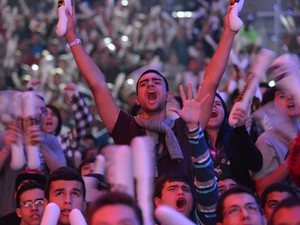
{"points": [[31, 207], [87, 168], [67, 195], [225, 184], [285, 103], [177, 195], [152, 94], [114, 215], [272, 201], [287, 216], [241, 209]]}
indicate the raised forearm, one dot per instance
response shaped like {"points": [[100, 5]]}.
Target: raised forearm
{"points": [[277, 176]]}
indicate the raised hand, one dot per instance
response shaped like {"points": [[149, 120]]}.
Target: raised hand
{"points": [[71, 89], [12, 135], [191, 109], [239, 115], [71, 23]]}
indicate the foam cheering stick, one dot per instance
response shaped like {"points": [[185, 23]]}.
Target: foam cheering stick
{"points": [[169, 216], [285, 71], [91, 185], [99, 164], [257, 71], [124, 169], [18, 159], [61, 27], [143, 161], [235, 22], [76, 217], [77, 158], [91, 180], [31, 118], [51, 214]]}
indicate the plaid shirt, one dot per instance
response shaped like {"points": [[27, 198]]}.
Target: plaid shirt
{"points": [[70, 141]]}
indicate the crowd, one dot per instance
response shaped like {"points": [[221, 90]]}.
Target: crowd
{"points": [[137, 115]]}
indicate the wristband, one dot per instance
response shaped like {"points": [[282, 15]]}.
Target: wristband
{"points": [[76, 42]]}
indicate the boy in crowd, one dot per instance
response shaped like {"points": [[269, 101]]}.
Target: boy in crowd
{"points": [[273, 195], [66, 188], [30, 202], [287, 212]]}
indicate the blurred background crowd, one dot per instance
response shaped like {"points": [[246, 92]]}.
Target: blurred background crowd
{"points": [[122, 36]]}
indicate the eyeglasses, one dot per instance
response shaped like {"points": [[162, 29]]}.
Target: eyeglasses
{"points": [[29, 203], [235, 210]]}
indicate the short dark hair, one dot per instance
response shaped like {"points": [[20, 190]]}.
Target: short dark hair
{"points": [[156, 72], [67, 174], [280, 187], [290, 202], [26, 186], [57, 113], [234, 190], [115, 198], [170, 176], [30, 175], [86, 161]]}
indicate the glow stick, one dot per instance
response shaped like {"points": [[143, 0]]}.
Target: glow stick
{"points": [[257, 71], [99, 164], [285, 71], [76, 217], [51, 214], [144, 158], [31, 114], [18, 158], [77, 158], [235, 22], [169, 216], [61, 27], [91, 184], [109, 152], [124, 169]]}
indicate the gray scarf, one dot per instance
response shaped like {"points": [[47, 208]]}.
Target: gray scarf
{"points": [[153, 127]]}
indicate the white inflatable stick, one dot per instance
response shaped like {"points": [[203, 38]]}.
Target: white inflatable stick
{"points": [[257, 71], [285, 71], [18, 159], [124, 169], [235, 22], [169, 216], [61, 27], [31, 114], [99, 164], [76, 217], [51, 214], [144, 158]]}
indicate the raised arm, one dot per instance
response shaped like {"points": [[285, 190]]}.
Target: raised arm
{"points": [[106, 105], [82, 116], [274, 169], [205, 181], [214, 71]]}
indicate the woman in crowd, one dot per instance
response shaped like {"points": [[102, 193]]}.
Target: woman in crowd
{"points": [[232, 149]]}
